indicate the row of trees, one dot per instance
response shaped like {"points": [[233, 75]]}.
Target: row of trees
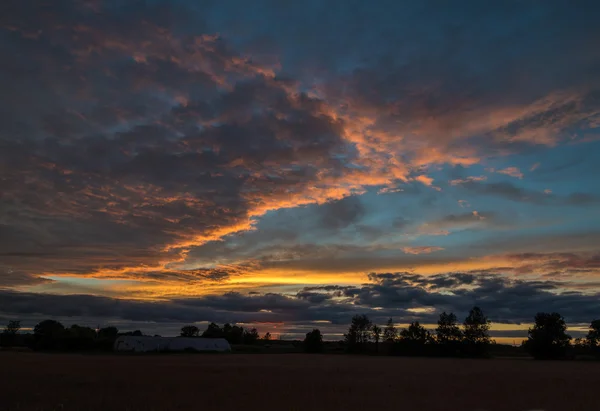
{"points": [[449, 339], [547, 338], [51, 334], [232, 333]]}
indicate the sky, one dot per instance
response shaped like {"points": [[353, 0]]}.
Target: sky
{"points": [[286, 165]]}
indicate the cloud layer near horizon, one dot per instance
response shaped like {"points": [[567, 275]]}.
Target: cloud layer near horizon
{"points": [[153, 151]]}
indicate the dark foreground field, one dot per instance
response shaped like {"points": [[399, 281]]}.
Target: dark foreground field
{"points": [[291, 382]]}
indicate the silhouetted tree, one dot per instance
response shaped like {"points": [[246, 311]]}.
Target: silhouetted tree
{"points": [[359, 333], [108, 332], [548, 338], [593, 337], [76, 331], [189, 331], [390, 334], [233, 334], [413, 340], [213, 331], [313, 341], [9, 334], [476, 333], [448, 334], [415, 333], [267, 336], [376, 332], [447, 330], [46, 333], [250, 337], [12, 328], [76, 338]]}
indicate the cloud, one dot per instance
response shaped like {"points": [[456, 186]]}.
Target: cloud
{"points": [[463, 221], [154, 141], [515, 193], [403, 296], [421, 250], [535, 166], [340, 214], [557, 264], [511, 171], [469, 179], [423, 179]]}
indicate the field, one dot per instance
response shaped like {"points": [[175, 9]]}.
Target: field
{"points": [[32, 381]]}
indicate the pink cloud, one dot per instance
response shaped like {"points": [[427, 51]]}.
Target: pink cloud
{"points": [[421, 250], [511, 171]]}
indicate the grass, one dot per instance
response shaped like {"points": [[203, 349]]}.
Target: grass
{"points": [[49, 382]]}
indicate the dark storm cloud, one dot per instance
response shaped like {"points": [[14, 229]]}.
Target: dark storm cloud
{"points": [[148, 137], [403, 296], [230, 307], [504, 299]]}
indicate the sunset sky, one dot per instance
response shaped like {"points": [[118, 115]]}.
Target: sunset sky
{"points": [[287, 165]]}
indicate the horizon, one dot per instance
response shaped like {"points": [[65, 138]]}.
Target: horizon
{"points": [[165, 163]]}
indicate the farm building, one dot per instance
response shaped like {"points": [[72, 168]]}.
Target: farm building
{"points": [[148, 344]]}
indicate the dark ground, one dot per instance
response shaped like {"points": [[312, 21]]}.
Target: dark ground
{"points": [[242, 382]]}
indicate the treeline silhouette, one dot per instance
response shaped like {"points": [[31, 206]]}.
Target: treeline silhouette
{"points": [[51, 335], [232, 333], [547, 338]]}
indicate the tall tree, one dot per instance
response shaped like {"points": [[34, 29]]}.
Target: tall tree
{"points": [[267, 336], [358, 333], [9, 334], [12, 328], [250, 337], [593, 336], [189, 331], [48, 328], [233, 334], [213, 331], [447, 331], [415, 333], [390, 334], [413, 340], [376, 332], [548, 338], [313, 341], [477, 332], [47, 334]]}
